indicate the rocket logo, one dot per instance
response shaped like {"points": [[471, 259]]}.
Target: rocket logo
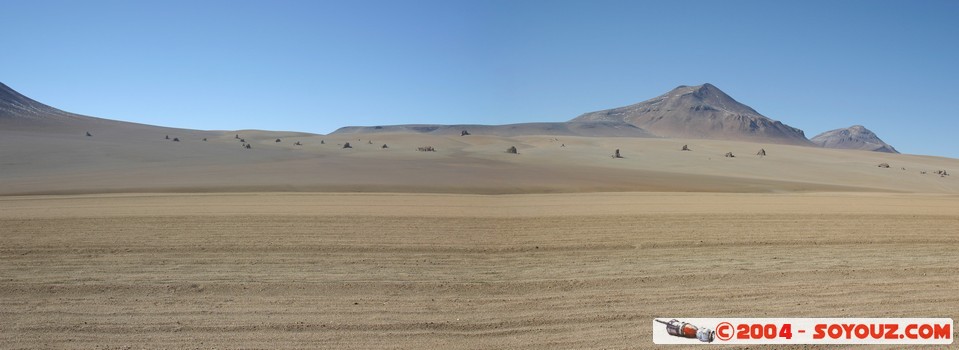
{"points": [[681, 329]]}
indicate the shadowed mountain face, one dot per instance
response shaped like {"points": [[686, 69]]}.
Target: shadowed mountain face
{"points": [[701, 112], [15, 105], [853, 137], [18, 112]]}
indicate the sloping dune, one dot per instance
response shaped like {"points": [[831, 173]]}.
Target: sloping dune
{"points": [[125, 157]]}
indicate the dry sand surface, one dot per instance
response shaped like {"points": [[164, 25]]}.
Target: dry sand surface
{"points": [[590, 270], [125, 159]]}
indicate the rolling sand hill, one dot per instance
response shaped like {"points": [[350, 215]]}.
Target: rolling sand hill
{"points": [[120, 159]]}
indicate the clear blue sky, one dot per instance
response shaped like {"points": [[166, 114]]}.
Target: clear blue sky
{"points": [[318, 65]]}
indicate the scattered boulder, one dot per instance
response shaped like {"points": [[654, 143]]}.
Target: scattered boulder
{"points": [[685, 148], [347, 145], [371, 142], [88, 134], [730, 155], [883, 165], [176, 139], [512, 149], [426, 149], [563, 145], [277, 140], [941, 173], [243, 140], [204, 139], [297, 143], [464, 133], [322, 142], [762, 152], [167, 137], [616, 154], [237, 136], [248, 146], [385, 146]]}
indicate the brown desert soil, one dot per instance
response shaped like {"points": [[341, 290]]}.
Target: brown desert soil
{"points": [[419, 271]]}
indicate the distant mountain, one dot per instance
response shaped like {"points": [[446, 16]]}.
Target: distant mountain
{"points": [[703, 112], [853, 137], [607, 129]]}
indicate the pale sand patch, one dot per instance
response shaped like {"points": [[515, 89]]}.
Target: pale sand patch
{"points": [[132, 160]]}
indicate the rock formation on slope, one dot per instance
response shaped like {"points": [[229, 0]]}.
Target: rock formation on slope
{"points": [[853, 137], [703, 112]]}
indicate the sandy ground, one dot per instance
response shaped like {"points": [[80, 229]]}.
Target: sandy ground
{"points": [[590, 270], [125, 159]]}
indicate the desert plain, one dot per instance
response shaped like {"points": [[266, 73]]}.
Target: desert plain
{"points": [[421, 270], [120, 235]]}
